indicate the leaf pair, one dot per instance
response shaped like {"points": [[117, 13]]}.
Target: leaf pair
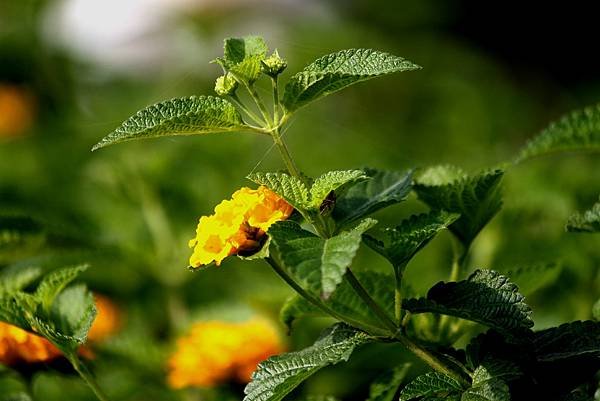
{"points": [[59, 313]]}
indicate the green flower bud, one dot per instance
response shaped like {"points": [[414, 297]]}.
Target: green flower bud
{"points": [[273, 65], [225, 85]]}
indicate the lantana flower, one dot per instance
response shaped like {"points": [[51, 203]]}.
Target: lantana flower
{"points": [[237, 226], [215, 352]]}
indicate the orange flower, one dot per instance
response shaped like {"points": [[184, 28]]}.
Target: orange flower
{"points": [[238, 225], [16, 110], [108, 319], [18, 345], [215, 352]]}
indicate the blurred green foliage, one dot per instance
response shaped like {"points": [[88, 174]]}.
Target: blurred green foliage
{"points": [[129, 210]]}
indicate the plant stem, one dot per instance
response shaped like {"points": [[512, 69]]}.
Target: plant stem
{"points": [[85, 374], [285, 154], [415, 348], [275, 100], [318, 303], [374, 306], [398, 271], [431, 359], [246, 110], [260, 104]]}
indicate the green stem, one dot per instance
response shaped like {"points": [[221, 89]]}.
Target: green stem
{"points": [[275, 100], [85, 374], [415, 348], [431, 360], [285, 154], [374, 306], [398, 271], [246, 110], [318, 303], [260, 104]]}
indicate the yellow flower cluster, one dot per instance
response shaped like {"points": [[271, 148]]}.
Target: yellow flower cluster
{"points": [[215, 352], [237, 226], [18, 345]]}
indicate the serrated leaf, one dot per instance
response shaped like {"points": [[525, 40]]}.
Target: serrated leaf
{"points": [[578, 130], [279, 375], [385, 387], [486, 297], [333, 181], [346, 302], [570, 340], [476, 198], [586, 222], [192, 115], [74, 311], [317, 260], [534, 277], [430, 384], [242, 57], [286, 186], [337, 71], [401, 243], [54, 282], [486, 387], [382, 189]]}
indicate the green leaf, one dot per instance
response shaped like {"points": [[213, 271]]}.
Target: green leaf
{"points": [[586, 222], [12, 386], [382, 189], [430, 384], [279, 375], [531, 278], [286, 186], [486, 387], [182, 116], [316, 260], [54, 282], [333, 181], [476, 198], [17, 277], [73, 312], [243, 57], [578, 130], [486, 297], [337, 71], [400, 244], [344, 300], [385, 387], [570, 340]]}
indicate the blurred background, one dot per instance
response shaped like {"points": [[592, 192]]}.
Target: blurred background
{"points": [[494, 74]]}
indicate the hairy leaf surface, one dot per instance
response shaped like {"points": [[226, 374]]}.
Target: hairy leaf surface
{"points": [[337, 71], [333, 181], [182, 116], [286, 186], [430, 384], [486, 297], [242, 57], [279, 375], [578, 130]]}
